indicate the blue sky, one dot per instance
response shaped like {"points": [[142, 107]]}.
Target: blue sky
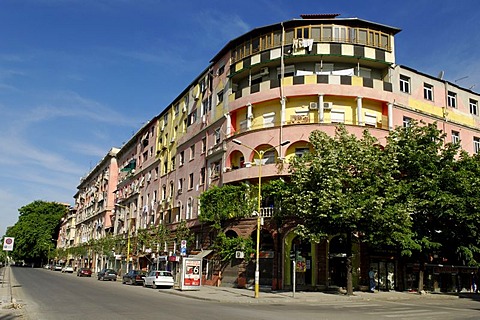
{"points": [[78, 77]]}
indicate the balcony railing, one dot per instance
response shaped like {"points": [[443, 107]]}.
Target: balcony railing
{"points": [[265, 212]]}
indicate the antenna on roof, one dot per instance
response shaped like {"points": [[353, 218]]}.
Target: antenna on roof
{"points": [[461, 79], [441, 74]]}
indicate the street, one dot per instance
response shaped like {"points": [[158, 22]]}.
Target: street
{"points": [[54, 295]]}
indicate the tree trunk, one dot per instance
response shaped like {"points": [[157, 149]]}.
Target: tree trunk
{"points": [[421, 274], [420, 280], [349, 265]]}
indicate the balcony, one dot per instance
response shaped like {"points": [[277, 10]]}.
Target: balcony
{"points": [[266, 212]]}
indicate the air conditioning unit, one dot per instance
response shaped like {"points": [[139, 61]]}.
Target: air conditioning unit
{"points": [[313, 106], [239, 254], [327, 106]]}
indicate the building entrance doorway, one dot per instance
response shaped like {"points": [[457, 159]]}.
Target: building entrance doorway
{"points": [[384, 274], [337, 260]]}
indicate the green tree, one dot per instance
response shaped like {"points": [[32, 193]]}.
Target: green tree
{"points": [[219, 204], [346, 185], [425, 166], [37, 225]]}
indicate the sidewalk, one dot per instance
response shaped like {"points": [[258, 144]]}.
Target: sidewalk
{"points": [[9, 309], [235, 295]]}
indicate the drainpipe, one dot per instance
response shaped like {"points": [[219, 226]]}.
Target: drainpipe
{"points": [[282, 97]]}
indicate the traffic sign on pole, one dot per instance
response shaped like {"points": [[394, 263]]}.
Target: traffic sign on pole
{"points": [[8, 244]]}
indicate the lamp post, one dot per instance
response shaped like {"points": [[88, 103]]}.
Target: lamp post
{"points": [[260, 155], [128, 234]]}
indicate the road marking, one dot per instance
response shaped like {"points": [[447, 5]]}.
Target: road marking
{"points": [[428, 314]]}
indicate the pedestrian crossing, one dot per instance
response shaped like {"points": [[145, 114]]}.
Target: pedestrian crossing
{"points": [[388, 311]]}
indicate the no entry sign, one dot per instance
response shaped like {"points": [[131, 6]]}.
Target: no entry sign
{"points": [[8, 243]]}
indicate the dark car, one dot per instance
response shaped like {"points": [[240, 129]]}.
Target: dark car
{"points": [[134, 277], [84, 272], [107, 274]]}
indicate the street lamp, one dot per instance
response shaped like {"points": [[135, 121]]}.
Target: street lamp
{"points": [[259, 218], [128, 233]]}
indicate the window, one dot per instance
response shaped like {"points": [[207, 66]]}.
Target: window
{"points": [[428, 91], [452, 99], [165, 166], [370, 119], [269, 157], [180, 185], [204, 107], [165, 118], [190, 181], [176, 108], [192, 152], [192, 117], [156, 173], [455, 136], [404, 84], [217, 136], [215, 170], [302, 32], [407, 122], [173, 162], [204, 145], [182, 158], [220, 97], [337, 116], [299, 152], [269, 120], [188, 213], [171, 189], [476, 145], [164, 192], [221, 70], [474, 107], [202, 175]]}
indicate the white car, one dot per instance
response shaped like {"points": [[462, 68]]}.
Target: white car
{"points": [[68, 269], [158, 278]]}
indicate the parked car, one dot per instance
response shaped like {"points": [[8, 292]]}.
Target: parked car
{"points": [[133, 277], [67, 269], [158, 278], [107, 274], [58, 267], [84, 272], [47, 266]]}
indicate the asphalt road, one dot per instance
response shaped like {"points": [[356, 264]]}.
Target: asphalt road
{"points": [[52, 295]]}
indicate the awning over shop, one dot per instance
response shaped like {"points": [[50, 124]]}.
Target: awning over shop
{"points": [[202, 254]]}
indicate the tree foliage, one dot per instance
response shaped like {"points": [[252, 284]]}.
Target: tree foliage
{"points": [[346, 185], [37, 225], [442, 184], [227, 202]]}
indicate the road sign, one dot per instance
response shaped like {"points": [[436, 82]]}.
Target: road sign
{"points": [[8, 244]]}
